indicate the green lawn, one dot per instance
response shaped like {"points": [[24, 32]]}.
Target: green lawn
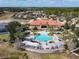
{"points": [[4, 36], [54, 56]]}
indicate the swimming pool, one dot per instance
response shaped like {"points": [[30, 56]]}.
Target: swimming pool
{"points": [[43, 38]]}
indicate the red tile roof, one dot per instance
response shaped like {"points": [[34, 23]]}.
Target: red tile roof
{"points": [[46, 22]]}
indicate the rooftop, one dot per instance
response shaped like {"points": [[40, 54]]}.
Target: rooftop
{"points": [[47, 22]]}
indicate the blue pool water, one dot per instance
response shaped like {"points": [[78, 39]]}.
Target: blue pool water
{"points": [[43, 38]]}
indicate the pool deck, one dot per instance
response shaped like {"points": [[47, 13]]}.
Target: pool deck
{"points": [[44, 47], [45, 51]]}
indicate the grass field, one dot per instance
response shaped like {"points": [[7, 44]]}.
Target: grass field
{"points": [[33, 55], [54, 56], [8, 52], [4, 36]]}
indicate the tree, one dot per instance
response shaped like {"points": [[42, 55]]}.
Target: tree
{"points": [[70, 39], [66, 26], [12, 28], [77, 32], [73, 27]]}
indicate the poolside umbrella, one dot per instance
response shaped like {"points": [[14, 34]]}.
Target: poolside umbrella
{"points": [[43, 38]]}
